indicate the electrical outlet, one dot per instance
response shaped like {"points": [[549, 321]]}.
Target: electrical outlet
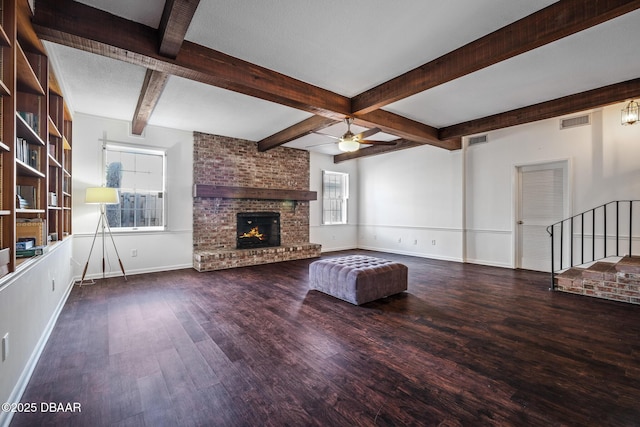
{"points": [[5, 346], [399, 239], [415, 242], [134, 253], [433, 242]]}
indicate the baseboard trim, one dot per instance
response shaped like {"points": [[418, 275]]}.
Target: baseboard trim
{"points": [[415, 254], [94, 276]]}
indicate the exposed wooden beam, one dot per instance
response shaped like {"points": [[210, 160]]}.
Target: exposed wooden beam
{"points": [[401, 144], [552, 23], [406, 128], [82, 27], [176, 17], [152, 87], [545, 110], [305, 127]]}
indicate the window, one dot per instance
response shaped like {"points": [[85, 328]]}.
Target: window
{"points": [[335, 193], [139, 175]]}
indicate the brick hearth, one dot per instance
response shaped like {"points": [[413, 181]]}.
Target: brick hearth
{"points": [[229, 162]]}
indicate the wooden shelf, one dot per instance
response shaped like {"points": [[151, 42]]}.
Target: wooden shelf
{"points": [[25, 169], [53, 161], [25, 131], [38, 122], [27, 80], [53, 129], [4, 90], [30, 211], [4, 39], [204, 190]]}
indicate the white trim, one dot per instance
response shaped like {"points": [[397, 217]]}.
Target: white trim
{"points": [[410, 253], [414, 227], [118, 273], [138, 232]]}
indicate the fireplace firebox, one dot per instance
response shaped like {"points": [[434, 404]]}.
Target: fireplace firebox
{"points": [[258, 229]]}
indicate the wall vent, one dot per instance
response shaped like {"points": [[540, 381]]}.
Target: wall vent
{"points": [[572, 122], [480, 139]]}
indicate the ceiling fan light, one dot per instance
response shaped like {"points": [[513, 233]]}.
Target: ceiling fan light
{"points": [[348, 145], [630, 114]]}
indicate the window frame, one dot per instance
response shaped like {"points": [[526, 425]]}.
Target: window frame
{"points": [[344, 199], [135, 149]]}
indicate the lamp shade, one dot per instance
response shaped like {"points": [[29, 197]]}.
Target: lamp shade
{"points": [[102, 195]]}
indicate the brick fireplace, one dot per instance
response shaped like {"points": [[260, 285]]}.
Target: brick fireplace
{"points": [[230, 177]]}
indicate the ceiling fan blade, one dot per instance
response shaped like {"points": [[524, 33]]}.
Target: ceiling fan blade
{"points": [[367, 133], [324, 134], [378, 142], [318, 145]]}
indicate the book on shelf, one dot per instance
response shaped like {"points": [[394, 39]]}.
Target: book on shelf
{"points": [[28, 194], [31, 119], [27, 153]]}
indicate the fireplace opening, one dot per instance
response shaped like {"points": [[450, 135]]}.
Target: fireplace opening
{"points": [[258, 229]]}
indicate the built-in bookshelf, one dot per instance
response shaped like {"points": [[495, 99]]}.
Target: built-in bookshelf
{"points": [[35, 144]]}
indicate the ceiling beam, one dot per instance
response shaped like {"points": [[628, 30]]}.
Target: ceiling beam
{"points": [[152, 87], [175, 21], [176, 17], [401, 144], [406, 128], [76, 25], [305, 127], [552, 23], [82, 27], [570, 104]]}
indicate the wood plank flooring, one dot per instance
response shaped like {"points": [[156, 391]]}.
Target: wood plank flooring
{"points": [[467, 345]]}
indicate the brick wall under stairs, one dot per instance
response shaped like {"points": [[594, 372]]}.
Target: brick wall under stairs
{"points": [[615, 281]]}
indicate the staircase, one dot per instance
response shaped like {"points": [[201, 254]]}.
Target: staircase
{"points": [[582, 247], [618, 281]]}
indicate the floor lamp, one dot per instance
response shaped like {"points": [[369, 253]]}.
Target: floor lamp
{"points": [[102, 196]]}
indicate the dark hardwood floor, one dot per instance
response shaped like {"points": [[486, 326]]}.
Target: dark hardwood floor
{"points": [[467, 345]]}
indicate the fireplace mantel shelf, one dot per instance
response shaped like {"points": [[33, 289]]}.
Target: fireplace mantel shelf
{"points": [[224, 192]]}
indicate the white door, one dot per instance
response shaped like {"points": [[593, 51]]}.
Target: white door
{"points": [[541, 202]]}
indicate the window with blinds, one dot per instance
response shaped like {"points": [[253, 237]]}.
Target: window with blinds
{"points": [[335, 194]]}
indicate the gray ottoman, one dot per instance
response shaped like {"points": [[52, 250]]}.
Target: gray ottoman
{"points": [[358, 279]]}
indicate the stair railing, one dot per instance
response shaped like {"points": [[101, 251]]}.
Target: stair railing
{"points": [[598, 233]]}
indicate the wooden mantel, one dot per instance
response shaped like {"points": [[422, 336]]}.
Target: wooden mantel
{"points": [[205, 190]]}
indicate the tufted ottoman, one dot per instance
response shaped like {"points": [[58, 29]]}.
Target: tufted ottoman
{"points": [[358, 279]]}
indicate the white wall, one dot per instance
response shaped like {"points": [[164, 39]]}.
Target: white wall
{"points": [[333, 237], [411, 203], [465, 200], [30, 301], [156, 251], [603, 167]]}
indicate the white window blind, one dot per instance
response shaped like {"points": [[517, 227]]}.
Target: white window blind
{"points": [[335, 194]]}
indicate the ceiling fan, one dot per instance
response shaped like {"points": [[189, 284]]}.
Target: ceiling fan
{"points": [[350, 142]]}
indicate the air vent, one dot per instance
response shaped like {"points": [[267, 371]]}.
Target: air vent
{"points": [[572, 122], [480, 139]]}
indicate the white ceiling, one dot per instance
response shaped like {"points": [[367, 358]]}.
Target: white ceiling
{"points": [[347, 48]]}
